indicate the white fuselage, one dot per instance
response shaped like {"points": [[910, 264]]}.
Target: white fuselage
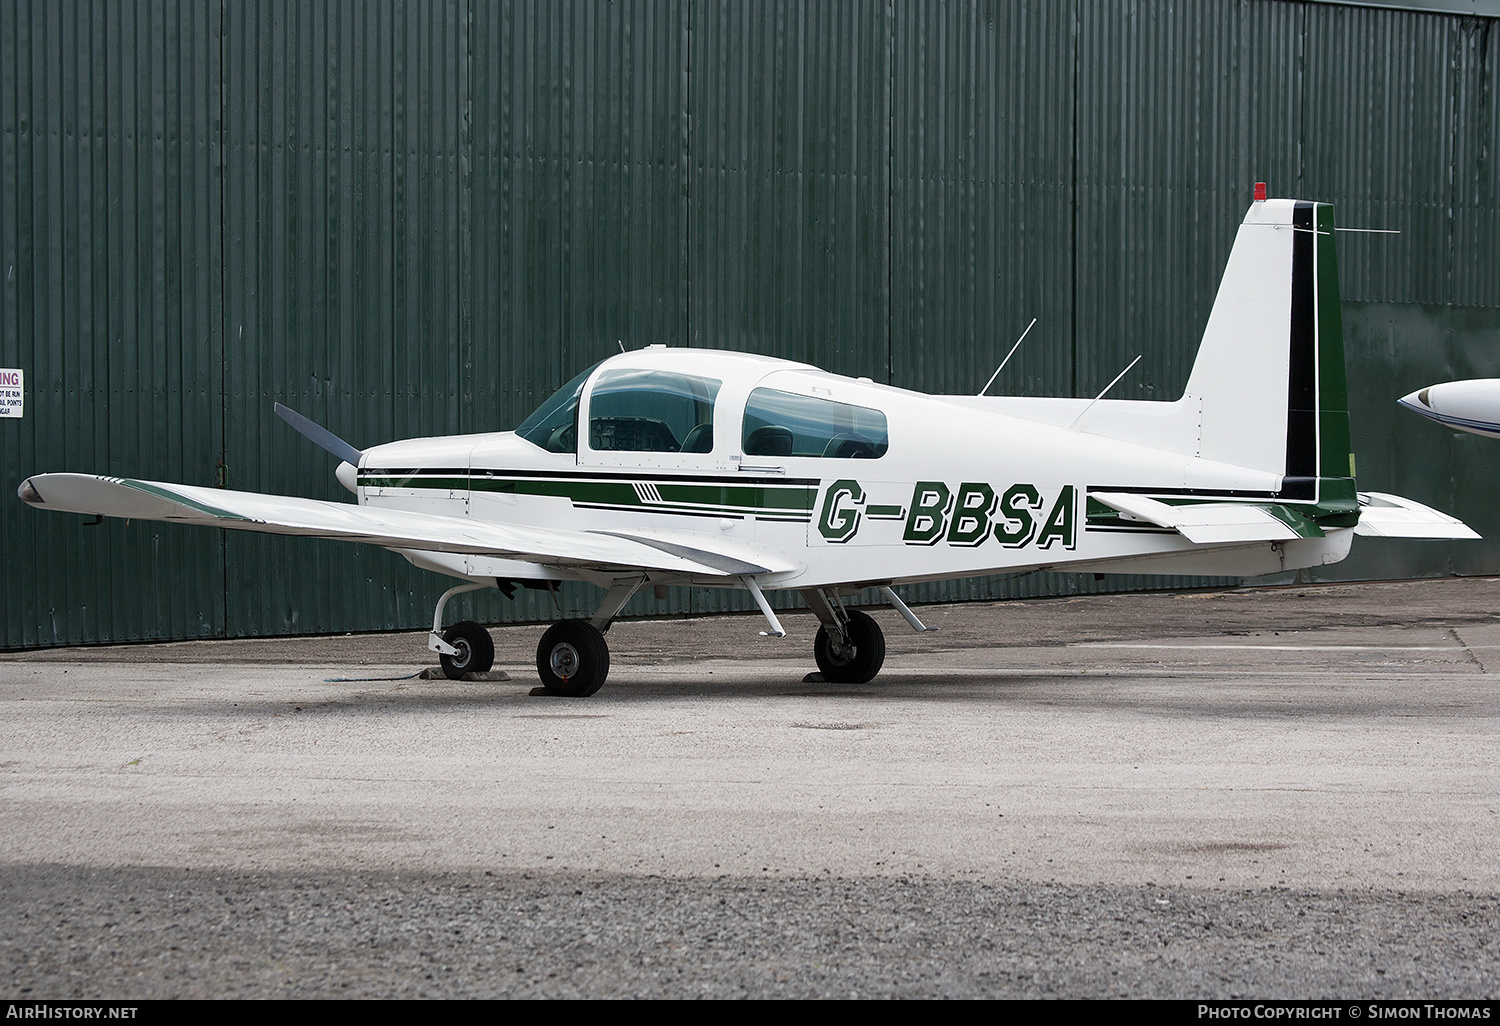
{"points": [[963, 490]]}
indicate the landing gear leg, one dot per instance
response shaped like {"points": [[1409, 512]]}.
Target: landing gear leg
{"points": [[573, 657], [465, 647], [850, 647]]}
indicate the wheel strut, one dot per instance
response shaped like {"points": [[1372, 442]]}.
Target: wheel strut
{"points": [[435, 640]]}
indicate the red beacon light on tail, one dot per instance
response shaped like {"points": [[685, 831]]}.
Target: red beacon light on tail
{"points": [[1260, 192]]}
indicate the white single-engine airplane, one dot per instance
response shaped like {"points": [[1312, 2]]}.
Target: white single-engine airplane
{"points": [[698, 467]]}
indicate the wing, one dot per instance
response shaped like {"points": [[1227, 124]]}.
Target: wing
{"points": [[691, 555]]}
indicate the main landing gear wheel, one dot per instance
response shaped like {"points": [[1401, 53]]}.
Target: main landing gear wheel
{"points": [[476, 650], [573, 659], [855, 663]]}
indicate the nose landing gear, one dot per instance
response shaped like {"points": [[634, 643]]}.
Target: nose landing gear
{"points": [[474, 650], [465, 647]]}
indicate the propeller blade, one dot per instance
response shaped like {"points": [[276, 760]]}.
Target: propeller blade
{"points": [[320, 436]]}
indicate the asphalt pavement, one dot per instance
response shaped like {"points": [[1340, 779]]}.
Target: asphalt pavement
{"points": [[1268, 792]]}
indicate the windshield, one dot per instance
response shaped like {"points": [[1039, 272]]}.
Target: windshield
{"points": [[554, 424]]}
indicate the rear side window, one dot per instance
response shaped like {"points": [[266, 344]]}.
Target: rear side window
{"points": [[787, 424], [643, 410]]}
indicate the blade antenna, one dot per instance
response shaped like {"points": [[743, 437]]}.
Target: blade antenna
{"points": [[1107, 387], [320, 436], [1008, 355]]}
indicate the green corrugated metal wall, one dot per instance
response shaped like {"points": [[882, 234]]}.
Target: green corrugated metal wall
{"points": [[416, 218]]}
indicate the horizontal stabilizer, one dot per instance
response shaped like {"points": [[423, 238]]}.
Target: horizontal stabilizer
{"points": [[1391, 516], [1215, 523], [390, 528]]}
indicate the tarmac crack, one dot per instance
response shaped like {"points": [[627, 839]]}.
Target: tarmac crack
{"points": [[1470, 649]]}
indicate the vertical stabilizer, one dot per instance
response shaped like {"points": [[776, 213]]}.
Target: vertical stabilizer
{"points": [[1269, 378]]}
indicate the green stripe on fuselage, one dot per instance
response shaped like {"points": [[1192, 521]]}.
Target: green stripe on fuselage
{"points": [[776, 499], [714, 497]]}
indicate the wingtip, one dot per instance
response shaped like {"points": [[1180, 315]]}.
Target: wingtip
{"points": [[28, 493]]}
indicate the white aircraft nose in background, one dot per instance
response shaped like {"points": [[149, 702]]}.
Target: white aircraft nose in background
{"points": [[1472, 405]]}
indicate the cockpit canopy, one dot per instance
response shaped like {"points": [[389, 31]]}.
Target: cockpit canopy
{"points": [[652, 409]]}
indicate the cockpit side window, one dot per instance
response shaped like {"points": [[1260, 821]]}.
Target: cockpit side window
{"points": [[787, 424], [645, 410], [554, 424]]}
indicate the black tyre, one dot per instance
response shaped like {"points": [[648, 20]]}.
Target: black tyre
{"points": [[476, 650], [864, 657], [572, 659]]}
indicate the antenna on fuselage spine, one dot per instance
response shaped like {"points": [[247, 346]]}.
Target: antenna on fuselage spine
{"points": [[1008, 355], [1107, 387]]}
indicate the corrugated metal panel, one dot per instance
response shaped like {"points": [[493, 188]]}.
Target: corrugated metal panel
{"points": [[788, 196], [344, 131], [109, 298], [1379, 145], [1012, 198], [1476, 176], [579, 198], [982, 169], [1163, 179]]}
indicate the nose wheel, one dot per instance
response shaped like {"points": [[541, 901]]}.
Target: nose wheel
{"points": [[572, 659], [474, 650]]}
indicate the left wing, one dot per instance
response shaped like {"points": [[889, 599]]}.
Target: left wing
{"points": [[690, 555]]}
